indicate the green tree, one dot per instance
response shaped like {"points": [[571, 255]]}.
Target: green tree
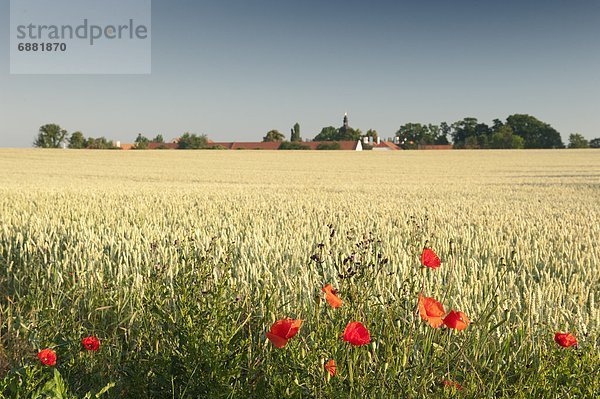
{"points": [[442, 137], [158, 139], [100, 143], [471, 143], [141, 142], [273, 135], [344, 133], [348, 134], [51, 136], [411, 135], [372, 133], [536, 133], [576, 140], [296, 133], [77, 141], [189, 141], [518, 142], [484, 135], [434, 135], [497, 124], [505, 138], [595, 143], [469, 133], [463, 129], [328, 133]]}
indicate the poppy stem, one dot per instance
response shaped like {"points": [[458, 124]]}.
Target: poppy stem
{"points": [[351, 370], [448, 352]]}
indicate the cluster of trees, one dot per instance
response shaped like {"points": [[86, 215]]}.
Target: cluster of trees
{"points": [[276, 135], [411, 135], [53, 136], [77, 141], [343, 133], [191, 141], [188, 141], [519, 131], [295, 142]]}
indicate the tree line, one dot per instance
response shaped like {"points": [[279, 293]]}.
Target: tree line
{"points": [[516, 132], [53, 136]]}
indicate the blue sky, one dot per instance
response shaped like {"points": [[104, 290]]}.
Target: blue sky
{"points": [[234, 69]]}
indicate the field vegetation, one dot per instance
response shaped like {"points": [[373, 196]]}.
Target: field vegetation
{"points": [[181, 263]]}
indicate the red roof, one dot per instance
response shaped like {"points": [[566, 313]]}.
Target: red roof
{"points": [[386, 144]]}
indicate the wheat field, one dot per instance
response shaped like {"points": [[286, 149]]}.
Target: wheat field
{"points": [[86, 237]]}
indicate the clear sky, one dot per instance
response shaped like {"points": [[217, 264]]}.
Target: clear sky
{"points": [[234, 69]]}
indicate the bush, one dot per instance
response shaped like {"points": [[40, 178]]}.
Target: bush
{"points": [[293, 145], [576, 140], [329, 146]]}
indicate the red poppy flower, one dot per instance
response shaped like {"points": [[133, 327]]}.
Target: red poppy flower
{"points": [[430, 259], [331, 296], [565, 339], [457, 320], [356, 334], [47, 357], [282, 330], [331, 367], [91, 343], [431, 311], [452, 384]]}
